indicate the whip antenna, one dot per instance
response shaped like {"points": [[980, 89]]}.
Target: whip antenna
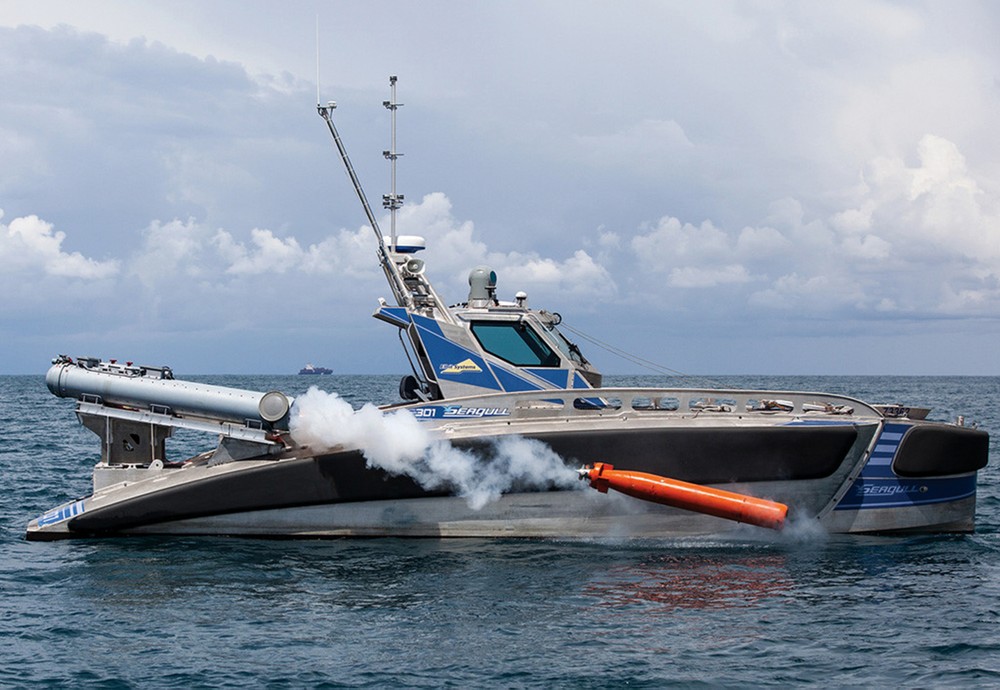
{"points": [[392, 201], [317, 60]]}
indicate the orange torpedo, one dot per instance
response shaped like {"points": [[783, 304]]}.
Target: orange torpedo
{"points": [[693, 497]]}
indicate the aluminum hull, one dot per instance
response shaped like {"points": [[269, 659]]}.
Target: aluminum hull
{"points": [[814, 464], [555, 514]]}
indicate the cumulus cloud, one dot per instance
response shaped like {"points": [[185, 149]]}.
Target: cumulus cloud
{"points": [[29, 246], [577, 275], [935, 209], [192, 248], [762, 241], [672, 242], [267, 254], [919, 239], [171, 251], [186, 273], [454, 249], [45, 287]]}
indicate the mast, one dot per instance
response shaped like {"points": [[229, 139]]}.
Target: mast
{"points": [[392, 201], [399, 290], [403, 272]]}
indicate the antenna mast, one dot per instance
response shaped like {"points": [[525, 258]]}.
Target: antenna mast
{"points": [[408, 286], [317, 59], [392, 201], [396, 284]]}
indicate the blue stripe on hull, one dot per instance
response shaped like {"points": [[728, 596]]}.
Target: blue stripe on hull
{"points": [[879, 487], [61, 514], [509, 381], [899, 492]]}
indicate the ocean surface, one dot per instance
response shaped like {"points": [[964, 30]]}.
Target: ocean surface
{"points": [[757, 609]]}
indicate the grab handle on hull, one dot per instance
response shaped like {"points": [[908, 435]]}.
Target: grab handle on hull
{"points": [[687, 496]]}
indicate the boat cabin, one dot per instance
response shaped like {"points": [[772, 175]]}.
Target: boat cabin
{"points": [[482, 345]]}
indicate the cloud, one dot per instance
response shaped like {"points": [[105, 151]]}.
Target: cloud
{"points": [[696, 256], [762, 241], [821, 294], [936, 209], [693, 277], [867, 248], [44, 286], [29, 247], [578, 275], [652, 145], [777, 162], [674, 242], [171, 251], [453, 250], [867, 259], [269, 254], [196, 250], [116, 134], [187, 274], [919, 239]]}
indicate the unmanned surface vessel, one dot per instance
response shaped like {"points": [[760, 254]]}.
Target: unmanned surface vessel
{"points": [[486, 371]]}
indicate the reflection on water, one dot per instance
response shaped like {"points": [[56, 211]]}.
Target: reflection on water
{"points": [[697, 580]]}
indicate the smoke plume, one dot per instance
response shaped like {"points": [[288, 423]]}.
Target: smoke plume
{"points": [[397, 443]]}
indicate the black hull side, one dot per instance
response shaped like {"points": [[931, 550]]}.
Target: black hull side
{"points": [[704, 456], [717, 455], [928, 451], [336, 478]]}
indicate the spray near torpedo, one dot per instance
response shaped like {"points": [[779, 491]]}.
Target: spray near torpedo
{"points": [[687, 496], [399, 444]]}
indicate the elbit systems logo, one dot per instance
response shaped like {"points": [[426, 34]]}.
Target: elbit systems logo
{"points": [[466, 367]]}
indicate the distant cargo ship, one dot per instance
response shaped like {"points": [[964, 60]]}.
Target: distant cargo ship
{"points": [[309, 369]]}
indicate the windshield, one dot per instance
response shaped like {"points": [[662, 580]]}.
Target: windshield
{"points": [[514, 342], [569, 349]]}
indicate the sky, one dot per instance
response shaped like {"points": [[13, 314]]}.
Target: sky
{"points": [[717, 187]]}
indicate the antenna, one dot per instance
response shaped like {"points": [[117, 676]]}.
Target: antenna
{"points": [[399, 290], [317, 59], [392, 201], [421, 296]]}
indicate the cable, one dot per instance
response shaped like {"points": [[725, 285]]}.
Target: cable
{"points": [[635, 359]]}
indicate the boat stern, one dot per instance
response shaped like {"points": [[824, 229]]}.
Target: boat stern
{"points": [[919, 477], [55, 524]]}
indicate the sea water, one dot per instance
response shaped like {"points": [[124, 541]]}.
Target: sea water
{"points": [[757, 608]]}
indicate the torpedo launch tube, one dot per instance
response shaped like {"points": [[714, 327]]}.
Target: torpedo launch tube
{"points": [[155, 389], [687, 496]]}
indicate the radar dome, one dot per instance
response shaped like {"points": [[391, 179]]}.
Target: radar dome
{"points": [[482, 286]]}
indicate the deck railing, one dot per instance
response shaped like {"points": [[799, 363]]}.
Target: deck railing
{"points": [[686, 402]]}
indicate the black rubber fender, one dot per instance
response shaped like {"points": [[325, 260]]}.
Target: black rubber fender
{"points": [[941, 450]]}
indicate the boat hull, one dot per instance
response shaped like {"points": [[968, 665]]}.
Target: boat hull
{"points": [[555, 514], [849, 474]]}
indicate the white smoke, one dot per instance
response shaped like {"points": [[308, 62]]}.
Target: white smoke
{"points": [[397, 443], [802, 528]]}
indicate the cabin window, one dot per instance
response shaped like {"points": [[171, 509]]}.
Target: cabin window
{"points": [[514, 342], [569, 349]]}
